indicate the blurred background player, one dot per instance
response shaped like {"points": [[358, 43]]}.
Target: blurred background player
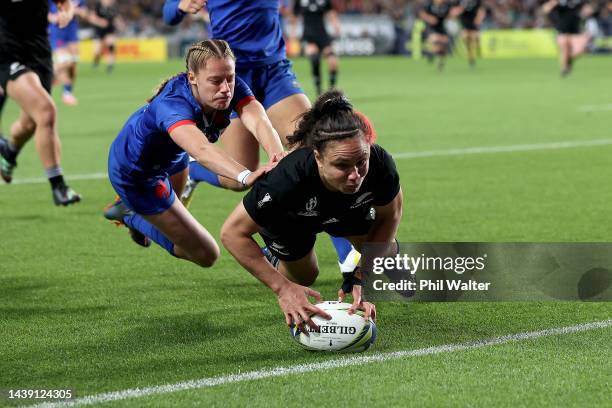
{"points": [[434, 14], [148, 160], [65, 46], [254, 32], [318, 187], [566, 16], [315, 36], [105, 18], [26, 74], [471, 14]]}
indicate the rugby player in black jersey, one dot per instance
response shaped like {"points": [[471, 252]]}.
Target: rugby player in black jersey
{"points": [[26, 74], [337, 183], [434, 14], [104, 17], [471, 17], [317, 39], [566, 16]]}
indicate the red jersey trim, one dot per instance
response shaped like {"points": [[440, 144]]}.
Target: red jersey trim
{"points": [[180, 123], [244, 101]]}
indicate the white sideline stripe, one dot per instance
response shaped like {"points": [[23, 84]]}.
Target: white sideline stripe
{"points": [[503, 149], [404, 155], [305, 368], [596, 108], [37, 180]]}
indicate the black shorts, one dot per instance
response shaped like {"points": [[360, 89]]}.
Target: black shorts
{"points": [[437, 29], [469, 23], [102, 32], [566, 23], [568, 27], [291, 246], [10, 71], [322, 40]]}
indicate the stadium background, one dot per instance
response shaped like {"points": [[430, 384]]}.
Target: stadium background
{"points": [[504, 152]]}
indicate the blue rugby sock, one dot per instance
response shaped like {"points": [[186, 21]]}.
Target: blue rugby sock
{"points": [[343, 247], [200, 173], [348, 257], [138, 223]]}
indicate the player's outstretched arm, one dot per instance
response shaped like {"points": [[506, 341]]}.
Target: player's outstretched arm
{"points": [[175, 10], [428, 18], [254, 118], [237, 236], [65, 13], [193, 141], [549, 5]]}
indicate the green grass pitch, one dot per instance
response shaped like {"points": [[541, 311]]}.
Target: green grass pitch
{"points": [[81, 307]]}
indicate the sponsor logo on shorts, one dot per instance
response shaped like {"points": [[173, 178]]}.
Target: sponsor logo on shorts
{"points": [[277, 247], [331, 221], [264, 200], [310, 208]]}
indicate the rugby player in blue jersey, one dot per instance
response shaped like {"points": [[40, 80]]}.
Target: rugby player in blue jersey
{"points": [[253, 30], [65, 44], [148, 161]]}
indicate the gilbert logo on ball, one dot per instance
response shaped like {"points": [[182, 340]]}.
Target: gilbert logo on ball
{"points": [[343, 333]]}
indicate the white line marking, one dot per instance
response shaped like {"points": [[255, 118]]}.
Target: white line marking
{"points": [[596, 108], [38, 180], [404, 155], [503, 149], [305, 368]]}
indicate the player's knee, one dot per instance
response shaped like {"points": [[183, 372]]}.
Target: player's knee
{"points": [[46, 114], [206, 257], [111, 48]]}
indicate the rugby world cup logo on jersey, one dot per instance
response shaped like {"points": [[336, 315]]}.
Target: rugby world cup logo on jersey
{"points": [[362, 200], [310, 208]]}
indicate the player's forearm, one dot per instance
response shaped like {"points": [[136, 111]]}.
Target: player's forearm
{"points": [[249, 255], [428, 18], [256, 121], [268, 139], [172, 14], [217, 161], [480, 16], [548, 6]]}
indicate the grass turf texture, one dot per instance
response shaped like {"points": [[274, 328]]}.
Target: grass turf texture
{"points": [[82, 307]]}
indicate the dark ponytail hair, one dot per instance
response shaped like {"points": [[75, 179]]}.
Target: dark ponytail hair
{"points": [[331, 118]]}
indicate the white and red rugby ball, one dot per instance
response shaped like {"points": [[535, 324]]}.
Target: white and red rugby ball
{"points": [[343, 333]]}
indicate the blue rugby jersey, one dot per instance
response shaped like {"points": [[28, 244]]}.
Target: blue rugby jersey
{"points": [[252, 28], [73, 25], [144, 149]]}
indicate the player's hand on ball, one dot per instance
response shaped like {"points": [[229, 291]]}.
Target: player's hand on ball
{"points": [[191, 6], [358, 304], [293, 301]]}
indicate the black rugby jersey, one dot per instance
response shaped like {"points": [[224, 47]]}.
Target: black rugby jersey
{"points": [[292, 198], [23, 31], [470, 8], [313, 13]]}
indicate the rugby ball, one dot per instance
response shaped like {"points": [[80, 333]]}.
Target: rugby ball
{"points": [[343, 333]]}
